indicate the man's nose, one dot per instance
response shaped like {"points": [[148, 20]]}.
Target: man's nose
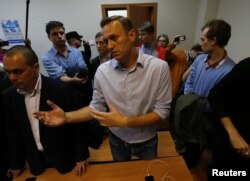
{"points": [[12, 77], [110, 44]]}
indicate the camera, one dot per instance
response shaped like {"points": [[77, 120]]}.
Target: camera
{"points": [[179, 38], [83, 73], [4, 43]]}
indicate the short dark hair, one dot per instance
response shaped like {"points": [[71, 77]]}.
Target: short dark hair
{"points": [[52, 24], [99, 34], [126, 23], [147, 27], [218, 29], [29, 55], [197, 48]]}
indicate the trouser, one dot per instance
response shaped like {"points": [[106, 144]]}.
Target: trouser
{"points": [[123, 151]]}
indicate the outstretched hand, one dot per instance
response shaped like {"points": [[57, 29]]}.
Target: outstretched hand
{"points": [[53, 118]]}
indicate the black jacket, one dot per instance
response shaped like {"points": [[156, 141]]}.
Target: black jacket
{"points": [[63, 145]]}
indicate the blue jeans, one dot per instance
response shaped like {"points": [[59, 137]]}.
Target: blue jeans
{"points": [[123, 151]]}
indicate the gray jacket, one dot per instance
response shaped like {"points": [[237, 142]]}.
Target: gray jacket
{"points": [[191, 120]]}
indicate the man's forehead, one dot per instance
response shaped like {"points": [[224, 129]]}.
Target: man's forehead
{"points": [[107, 33], [113, 25], [12, 66], [99, 38], [18, 56], [205, 30], [143, 32], [57, 29]]}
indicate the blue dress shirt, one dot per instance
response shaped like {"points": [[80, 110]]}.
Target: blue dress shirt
{"points": [[202, 78], [57, 65]]}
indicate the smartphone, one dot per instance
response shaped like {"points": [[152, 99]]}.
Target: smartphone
{"points": [[4, 43], [149, 178], [83, 73], [30, 179], [179, 38]]}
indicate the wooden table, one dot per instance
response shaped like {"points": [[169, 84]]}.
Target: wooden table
{"points": [[166, 147], [122, 171]]}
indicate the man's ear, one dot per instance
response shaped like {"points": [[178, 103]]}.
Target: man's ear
{"points": [[36, 66], [214, 40], [132, 35]]}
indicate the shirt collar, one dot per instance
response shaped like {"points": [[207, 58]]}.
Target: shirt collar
{"points": [[36, 89], [218, 64], [140, 60], [102, 60], [55, 51]]}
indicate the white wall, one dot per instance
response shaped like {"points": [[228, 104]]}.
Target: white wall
{"points": [[237, 14], [174, 17], [200, 19], [208, 10]]}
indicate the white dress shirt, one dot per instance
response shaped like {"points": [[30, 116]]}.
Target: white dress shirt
{"points": [[32, 102]]}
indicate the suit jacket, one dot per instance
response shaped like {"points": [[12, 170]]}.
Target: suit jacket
{"points": [[4, 84], [63, 145], [95, 63]]}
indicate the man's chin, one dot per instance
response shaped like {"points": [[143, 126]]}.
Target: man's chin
{"points": [[116, 57], [18, 86]]}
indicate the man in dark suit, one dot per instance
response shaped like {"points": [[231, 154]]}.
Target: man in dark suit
{"points": [[4, 157], [62, 148], [104, 53]]}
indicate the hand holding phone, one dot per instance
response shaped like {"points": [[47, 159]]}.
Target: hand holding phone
{"points": [[83, 73], [179, 38]]}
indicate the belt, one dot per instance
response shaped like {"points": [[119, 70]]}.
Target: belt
{"points": [[131, 144]]}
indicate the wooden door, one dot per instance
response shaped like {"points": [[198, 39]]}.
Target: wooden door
{"points": [[138, 13]]}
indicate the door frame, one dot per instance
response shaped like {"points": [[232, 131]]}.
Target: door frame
{"points": [[151, 6]]}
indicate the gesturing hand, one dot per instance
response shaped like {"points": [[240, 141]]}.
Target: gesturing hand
{"points": [[53, 118], [110, 119]]}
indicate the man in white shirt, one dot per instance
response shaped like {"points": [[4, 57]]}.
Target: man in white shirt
{"points": [[134, 86], [63, 148]]}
